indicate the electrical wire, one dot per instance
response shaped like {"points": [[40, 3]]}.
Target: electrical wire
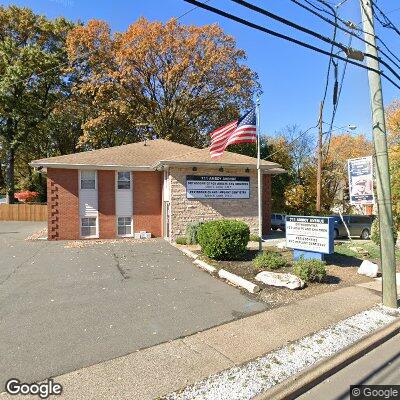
{"points": [[388, 23], [88, 53], [301, 28], [293, 141], [287, 38], [337, 104], [354, 27]]}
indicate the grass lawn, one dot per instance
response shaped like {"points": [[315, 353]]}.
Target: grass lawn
{"points": [[361, 249]]}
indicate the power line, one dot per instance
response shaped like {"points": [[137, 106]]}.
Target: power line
{"points": [[337, 104], [352, 26], [301, 28], [285, 37], [388, 23], [289, 23], [88, 53], [294, 140]]}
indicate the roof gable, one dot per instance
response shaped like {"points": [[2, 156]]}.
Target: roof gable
{"points": [[149, 155]]}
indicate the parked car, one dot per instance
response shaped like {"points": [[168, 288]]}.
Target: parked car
{"points": [[358, 225], [278, 221]]}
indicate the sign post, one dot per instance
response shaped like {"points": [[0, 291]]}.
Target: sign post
{"points": [[309, 237]]}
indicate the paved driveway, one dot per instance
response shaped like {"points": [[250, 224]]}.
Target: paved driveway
{"points": [[65, 308]]}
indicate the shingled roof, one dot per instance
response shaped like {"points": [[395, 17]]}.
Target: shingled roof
{"points": [[150, 155]]}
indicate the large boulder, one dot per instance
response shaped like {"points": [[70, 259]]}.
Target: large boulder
{"points": [[280, 279], [368, 268]]}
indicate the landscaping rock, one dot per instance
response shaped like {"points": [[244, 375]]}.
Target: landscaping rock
{"points": [[368, 268], [281, 245], [279, 279]]}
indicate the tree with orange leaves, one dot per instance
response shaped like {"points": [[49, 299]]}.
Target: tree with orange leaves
{"points": [[176, 81]]}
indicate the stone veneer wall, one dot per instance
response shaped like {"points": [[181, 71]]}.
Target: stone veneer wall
{"points": [[185, 210]]}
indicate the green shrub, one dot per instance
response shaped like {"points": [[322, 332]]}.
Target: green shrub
{"points": [[310, 270], [191, 232], [269, 260], [223, 239], [181, 240], [375, 234], [254, 238]]}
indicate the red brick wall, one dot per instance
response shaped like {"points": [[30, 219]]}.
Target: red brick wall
{"points": [[266, 204], [147, 199], [62, 204], [106, 198]]}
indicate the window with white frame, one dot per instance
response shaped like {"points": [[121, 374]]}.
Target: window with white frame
{"points": [[124, 180], [88, 226], [88, 179], [124, 226]]}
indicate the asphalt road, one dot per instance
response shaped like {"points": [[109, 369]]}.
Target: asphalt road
{"points": [[379, 367], [65, 308]]}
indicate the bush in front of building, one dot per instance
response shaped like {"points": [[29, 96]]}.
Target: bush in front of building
{"points": [[254, 238], [180, 240], [269, 260], [310, 270], [223, 239], [191, 232], [375, 233]]}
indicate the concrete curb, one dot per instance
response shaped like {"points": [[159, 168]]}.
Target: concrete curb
{"points": [[184, 250], [205, 266], [232, 278], [238, 281], [310, 377]]}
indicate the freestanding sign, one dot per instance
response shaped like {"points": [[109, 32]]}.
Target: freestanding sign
{"points": [[217, 187], [361, 180], [309, 237]]}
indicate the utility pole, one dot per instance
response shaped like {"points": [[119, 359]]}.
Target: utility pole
{"points": [[384, 199], [319, 159]]}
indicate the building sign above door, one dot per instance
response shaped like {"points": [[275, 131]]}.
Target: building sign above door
{"points": [[217, 187]]}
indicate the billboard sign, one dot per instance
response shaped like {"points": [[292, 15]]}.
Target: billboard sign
{"points": [[361, 180], [217, 187], [312, 234]]}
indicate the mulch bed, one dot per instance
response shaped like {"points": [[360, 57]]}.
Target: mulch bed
{"points": [[341, 272]]}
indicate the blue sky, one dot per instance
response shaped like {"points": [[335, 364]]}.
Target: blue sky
{"points": [[292, 77]]}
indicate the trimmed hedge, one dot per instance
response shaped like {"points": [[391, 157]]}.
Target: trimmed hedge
{"points": [[310, 270], [191, 232], [269, 260], [223, 239]]}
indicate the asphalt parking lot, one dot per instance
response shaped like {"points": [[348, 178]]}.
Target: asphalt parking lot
{"points": [[65, 308]]}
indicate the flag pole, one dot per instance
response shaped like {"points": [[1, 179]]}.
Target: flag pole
{"points": [[259, 186]]}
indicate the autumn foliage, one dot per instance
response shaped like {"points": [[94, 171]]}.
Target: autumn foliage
{"points": [[176, 81], [26, 197]]}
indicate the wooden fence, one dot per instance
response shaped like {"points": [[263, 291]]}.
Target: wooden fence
{"points": [[23, 212]]}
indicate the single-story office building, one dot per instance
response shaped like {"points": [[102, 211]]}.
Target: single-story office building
{"points": [[156, 186]]}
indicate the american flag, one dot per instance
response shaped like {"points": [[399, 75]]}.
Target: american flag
{"points": [[242, 130]]}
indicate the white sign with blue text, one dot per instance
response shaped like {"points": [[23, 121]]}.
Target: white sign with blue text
{"points": [[313, 234], [217, 187]]}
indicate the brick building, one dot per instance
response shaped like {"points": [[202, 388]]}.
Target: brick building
{"points": [[156, 186]]}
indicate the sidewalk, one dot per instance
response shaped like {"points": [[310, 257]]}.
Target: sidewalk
{"points": [[162, 369]]}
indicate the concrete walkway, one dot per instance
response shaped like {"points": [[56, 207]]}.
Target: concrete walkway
{"points": [[158, 370]]}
